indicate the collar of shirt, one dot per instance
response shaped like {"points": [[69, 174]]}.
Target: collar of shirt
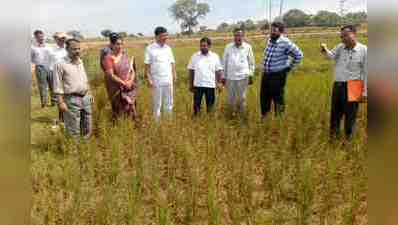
{"points": [[277, 41], [69, 60], [57, 47], [159, 45], [43, 45], [244, 45], [355, 48], [240, 46], [207, 55]]}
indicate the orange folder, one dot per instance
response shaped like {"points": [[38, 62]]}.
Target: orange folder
{"points": [[355, 90]]}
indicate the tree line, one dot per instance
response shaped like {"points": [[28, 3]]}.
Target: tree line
{"points": [[188, 12], [298, 18]]}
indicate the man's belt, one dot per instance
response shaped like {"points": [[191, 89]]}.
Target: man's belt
{"points": [[340, 83], [81, 95]]}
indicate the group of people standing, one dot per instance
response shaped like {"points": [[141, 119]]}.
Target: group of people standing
{"points": [[68, 82], [44, 58], [60, 74]]}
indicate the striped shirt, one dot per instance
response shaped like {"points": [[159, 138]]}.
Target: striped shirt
{"points": [[281, 54]]}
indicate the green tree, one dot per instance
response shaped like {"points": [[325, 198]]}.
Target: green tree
{"points": [[239, 24], [356, 17], [296, 18], [326, 19], [105, 33], [262, 25], [250, 25], [223, 27], [188, 12], [75, 34], [123, 34]]}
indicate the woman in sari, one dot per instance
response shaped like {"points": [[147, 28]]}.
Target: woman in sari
{"points": [[120, 79]]}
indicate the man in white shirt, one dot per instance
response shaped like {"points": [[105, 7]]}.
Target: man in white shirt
{"points": [[239, 65], [72, 88], [57, 55], [206, 73], [160, 72], [40, 58], [351, 64], [58, 52]]}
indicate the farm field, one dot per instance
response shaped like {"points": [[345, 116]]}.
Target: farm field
{"points": [[217, 169]]}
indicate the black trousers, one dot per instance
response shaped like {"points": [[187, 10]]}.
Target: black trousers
{"points": [[273, 90], [341, 107], [210, 96]]}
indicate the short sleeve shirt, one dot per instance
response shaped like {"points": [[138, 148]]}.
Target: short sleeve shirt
{"points": [[160, 58], [40, 55], [57, 54], [205, 67]]}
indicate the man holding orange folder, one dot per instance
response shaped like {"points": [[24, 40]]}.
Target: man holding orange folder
{"points": [[350, 86]]}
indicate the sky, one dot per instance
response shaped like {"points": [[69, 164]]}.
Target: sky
{"points": [[134, 16]]}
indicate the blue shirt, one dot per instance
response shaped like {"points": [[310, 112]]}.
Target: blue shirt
{"points": [[281, 54]]}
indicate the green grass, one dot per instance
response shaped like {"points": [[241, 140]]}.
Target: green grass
{"points": [[209, 170]]}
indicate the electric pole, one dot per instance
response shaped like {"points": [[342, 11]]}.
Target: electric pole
{"points": [[270, 10], [342, 8]]}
